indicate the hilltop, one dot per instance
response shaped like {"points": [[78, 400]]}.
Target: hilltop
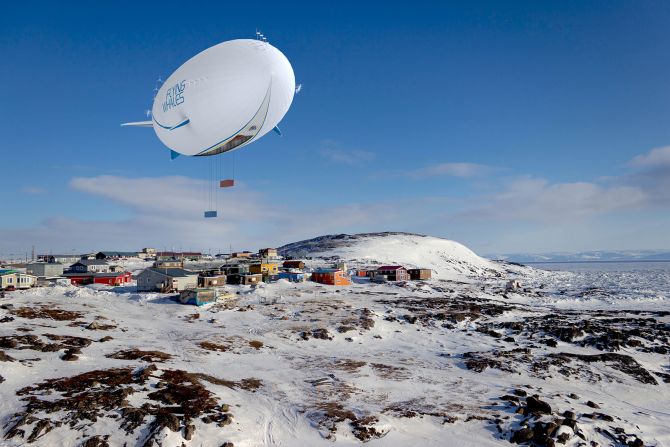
{"points": [[447, 259]]}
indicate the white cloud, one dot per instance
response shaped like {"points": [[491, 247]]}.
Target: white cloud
{"points": [[659, 157], [462, 170], [532, 199], [167, 212], [32, 189], [332, 152]]}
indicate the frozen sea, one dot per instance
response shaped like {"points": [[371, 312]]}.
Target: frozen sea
{"points": [[615, 283]]}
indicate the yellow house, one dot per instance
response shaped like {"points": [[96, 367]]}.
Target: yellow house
{"points": [[269, 268], [7, 278]]}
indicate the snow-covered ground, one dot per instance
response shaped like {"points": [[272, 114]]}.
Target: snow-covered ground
{"points": [[447, 259], [439, 362]]}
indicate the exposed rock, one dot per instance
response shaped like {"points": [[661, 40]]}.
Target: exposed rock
{"points": [[5, 358], [189, 430], [95, 441], [522, 435], [535, 405]]}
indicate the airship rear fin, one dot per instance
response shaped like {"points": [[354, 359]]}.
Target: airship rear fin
{"points": [[174, 155], [139, 124]]}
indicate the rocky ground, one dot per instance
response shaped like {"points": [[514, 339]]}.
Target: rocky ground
{"points": [[439, 361]]}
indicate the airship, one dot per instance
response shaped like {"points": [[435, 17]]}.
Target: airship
{"points": [[223, 98]]}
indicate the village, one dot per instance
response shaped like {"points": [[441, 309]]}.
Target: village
{"points": [[197, 278]]}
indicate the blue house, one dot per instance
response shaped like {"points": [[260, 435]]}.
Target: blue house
{"points": [[293, 276]]}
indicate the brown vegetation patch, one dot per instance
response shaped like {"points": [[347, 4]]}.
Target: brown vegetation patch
{"points": [[46, 312], [444, 310], [390, 372], [256, 344], [328, 415], [415, 408], [136, 354], [348, 365], [211, 346], [177, 398], [33, 342]]}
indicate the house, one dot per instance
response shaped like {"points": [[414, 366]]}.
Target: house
{"points": [[393, 272], [186, 255], [418, 274], [63, 259], [245, 279], [116, 254], [293, 276], [90, 266], [8, 279], [45, 269], [264, 268], [199, 296], [240, 254], [25, 280], [267, 253], [147, 253], [169, 264], [293, 264], [212, 280], [166, 280], [379, 278], [235, 269], [333, 277], [79, 279], [112, 278], [341, 265]]}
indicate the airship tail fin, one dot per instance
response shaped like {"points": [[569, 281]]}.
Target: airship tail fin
{"points": [[138, 124], [174, 155]]}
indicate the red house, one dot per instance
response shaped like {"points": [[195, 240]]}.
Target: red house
{"points": [[111, 278], [333, 277], [394, 272]]}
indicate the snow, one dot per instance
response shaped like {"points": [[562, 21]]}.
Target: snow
{"points": [[447, 259], [394, 363]]}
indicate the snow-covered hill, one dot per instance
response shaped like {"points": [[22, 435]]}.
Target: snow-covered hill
{"points": [[447, 259]]}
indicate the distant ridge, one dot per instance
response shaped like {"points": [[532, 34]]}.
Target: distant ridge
{"points": [[587, 256]]}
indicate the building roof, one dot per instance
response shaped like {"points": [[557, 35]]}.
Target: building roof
{"points": [[390, 267], [61, 256], [327, 270], [118, 254], [43, 263], [173, 272], [110, 274], [176, 254], [88, 262]]}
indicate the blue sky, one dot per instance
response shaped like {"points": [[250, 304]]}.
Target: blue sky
{"points": [[508, 126]]}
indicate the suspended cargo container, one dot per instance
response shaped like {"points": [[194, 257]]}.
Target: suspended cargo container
{"points": [[227, 183], [210, 213]]}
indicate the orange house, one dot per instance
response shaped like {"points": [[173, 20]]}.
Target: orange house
{"points": [[333, 277]]}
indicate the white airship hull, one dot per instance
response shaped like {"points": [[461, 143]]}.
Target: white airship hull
{"points": [[224, 98]]}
